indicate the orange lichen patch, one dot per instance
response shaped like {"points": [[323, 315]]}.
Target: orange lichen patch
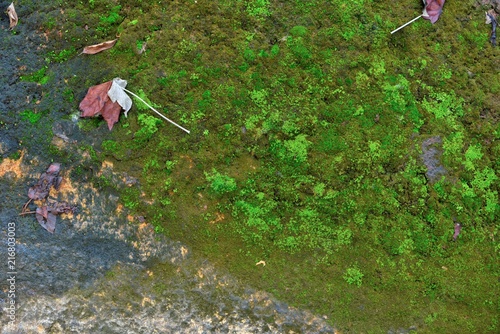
{"points": [[10, 165], [218, 218], [66, 188], [119, 208], [143, 226], [200, 273], [130, 218], [184, 251], [58, 142], [105, 165]]}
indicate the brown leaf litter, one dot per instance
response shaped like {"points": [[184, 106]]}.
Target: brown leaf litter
{"points": [[46, 210]]}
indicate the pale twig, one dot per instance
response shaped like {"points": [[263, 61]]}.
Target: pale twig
{"points": [[27, 213], [156, 111], [407, 23]]}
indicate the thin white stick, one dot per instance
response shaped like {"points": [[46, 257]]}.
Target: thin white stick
{"points": [[407, 23], [156, 111]]}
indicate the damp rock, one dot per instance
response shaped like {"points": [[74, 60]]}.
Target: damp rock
{"points": [[65, 130], [431, 152], [8, 145]]}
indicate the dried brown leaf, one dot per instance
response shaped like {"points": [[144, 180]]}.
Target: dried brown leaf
{"points": [[11, 11], [46, 219], [96, 48], [111, 113], [95, 99], [97, 102], [47, 180]]}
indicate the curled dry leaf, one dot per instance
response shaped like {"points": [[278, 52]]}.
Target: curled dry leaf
{"points": [[96, 48], [46, 211], [47, 180], [11, 11], [46, 214], [46, 219], [491, 18]]}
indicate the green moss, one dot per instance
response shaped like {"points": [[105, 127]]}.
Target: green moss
{"points": [[220, 183], [258, 8], [41, 77], [298, 31], [31, 116], [149, 126], [61, 56], [317, 115], [353, 276]]}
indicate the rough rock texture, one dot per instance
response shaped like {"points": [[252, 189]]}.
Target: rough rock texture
{"points": [[104, 272], [431, 151]]}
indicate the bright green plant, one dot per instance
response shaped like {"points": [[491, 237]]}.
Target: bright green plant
{"points": [[296, 149], [299, 50], [258, 8], [149, 126], [473, 153], [484, 178], [109, 145], [220, 183], [354, 276], [444, 105], [39, 76], [298, 31], [113, 17], [61, 56], [31, 116]]}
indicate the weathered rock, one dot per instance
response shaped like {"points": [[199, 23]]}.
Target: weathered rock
{"points": [[431, 151]]}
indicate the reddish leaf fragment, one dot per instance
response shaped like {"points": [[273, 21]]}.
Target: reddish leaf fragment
{"points": [[111, 113], [97, 102], [95, 99], [433, 9], [46, 219], [11, 11], [46, 214], [61, 207], [93, 49], [47, 180]]}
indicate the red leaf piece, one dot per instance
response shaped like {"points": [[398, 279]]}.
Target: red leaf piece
{"points": [[111, 113], [97, 102], [433, 9], [46, 219], [95, 99]]}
